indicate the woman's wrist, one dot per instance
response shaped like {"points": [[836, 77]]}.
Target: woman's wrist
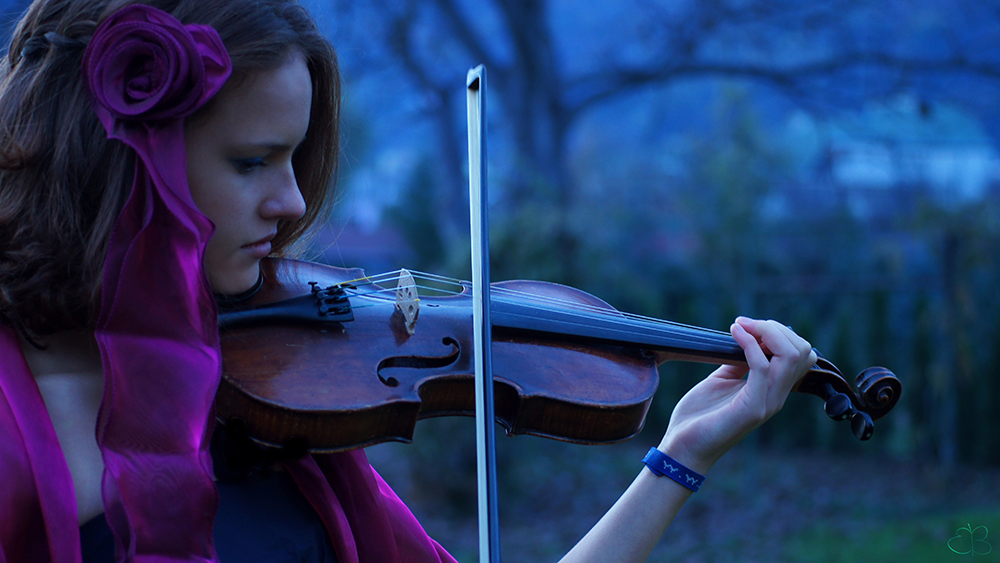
{"points": [[684, 456], [662, 465]]}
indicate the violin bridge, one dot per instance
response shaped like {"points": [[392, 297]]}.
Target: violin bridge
{"points": [[407, 300]]}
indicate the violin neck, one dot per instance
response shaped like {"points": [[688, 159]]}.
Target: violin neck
{"points": [[666, 341]]}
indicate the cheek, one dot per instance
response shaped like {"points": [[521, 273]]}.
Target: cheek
{"points": [[216, 194], [227, 267], [207, 175], [212, 203], [216, 209], [227, 218], [204, 190], [217, 253]]}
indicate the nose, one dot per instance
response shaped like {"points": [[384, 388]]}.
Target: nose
{"points": [[285, 200]]}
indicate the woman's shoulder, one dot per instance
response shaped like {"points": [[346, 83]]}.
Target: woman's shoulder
{"points": [[68, 353]]}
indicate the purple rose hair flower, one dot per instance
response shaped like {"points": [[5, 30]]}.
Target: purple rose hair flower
{"points": [[142, 64]]}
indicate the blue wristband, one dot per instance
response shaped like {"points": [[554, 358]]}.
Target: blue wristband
{"points": [[662, 464]]}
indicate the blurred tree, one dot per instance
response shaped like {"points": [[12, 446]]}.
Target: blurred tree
{"points": [[413, 217], [552, 62], [959, 387]]}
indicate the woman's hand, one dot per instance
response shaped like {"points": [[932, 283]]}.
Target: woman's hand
{"points": [[709, 420], [720, 411]]}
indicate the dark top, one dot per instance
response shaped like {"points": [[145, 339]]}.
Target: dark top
{"points": [[262, 518]]}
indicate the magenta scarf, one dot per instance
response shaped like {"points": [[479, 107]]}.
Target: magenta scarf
{"points": [[158, 336]]}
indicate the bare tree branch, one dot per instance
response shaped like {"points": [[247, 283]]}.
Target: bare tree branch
{"points": [[464, 33], [809, 51], [599, 87]]}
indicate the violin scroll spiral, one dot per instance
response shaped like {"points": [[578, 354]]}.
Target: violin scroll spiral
{"points": [[878, 390]]}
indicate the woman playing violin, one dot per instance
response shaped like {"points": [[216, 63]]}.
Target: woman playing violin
{"points": [[150, 156]]}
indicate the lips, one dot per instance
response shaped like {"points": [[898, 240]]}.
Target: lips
{"points": [[266, 239], [260, 248]]}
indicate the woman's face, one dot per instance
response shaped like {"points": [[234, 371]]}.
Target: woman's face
{"points": [[239, 167]]}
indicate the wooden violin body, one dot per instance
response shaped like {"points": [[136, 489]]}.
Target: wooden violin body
{"points": [[341, 384]]}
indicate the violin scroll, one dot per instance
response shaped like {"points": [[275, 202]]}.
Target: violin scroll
{"points": [[878, 390]]}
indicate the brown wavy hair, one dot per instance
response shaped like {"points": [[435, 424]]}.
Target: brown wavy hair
{"points": [[63, 183]]}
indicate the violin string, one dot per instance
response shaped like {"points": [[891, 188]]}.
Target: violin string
{"points": [[610, 316], [604, 312], [564, 304], [614, 317]]}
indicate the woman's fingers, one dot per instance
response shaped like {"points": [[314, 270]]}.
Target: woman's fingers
{"points": [[756, 358], [721, 410], [777, 358], [778, 341]]}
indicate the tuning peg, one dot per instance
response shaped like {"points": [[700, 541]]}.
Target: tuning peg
{"points": [[862, 425], [839, 407]]}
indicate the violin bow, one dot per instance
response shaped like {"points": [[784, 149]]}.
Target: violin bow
{"points": [[489, 533]]}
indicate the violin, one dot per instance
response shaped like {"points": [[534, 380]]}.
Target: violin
{"points": [[329, 359]]}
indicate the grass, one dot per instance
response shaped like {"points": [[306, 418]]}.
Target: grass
{"points": [[918, 539], [758, 504]]}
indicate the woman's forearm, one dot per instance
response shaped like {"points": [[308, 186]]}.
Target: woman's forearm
{"points": [[710, 419], [634, 525]]}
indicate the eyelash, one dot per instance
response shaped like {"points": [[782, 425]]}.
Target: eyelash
{"points": [[248, 165]]}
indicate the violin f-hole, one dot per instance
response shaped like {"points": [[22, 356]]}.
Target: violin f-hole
{"points": [[417, 362]]}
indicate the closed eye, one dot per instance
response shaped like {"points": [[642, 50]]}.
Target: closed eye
{"points": [[248, 165]]}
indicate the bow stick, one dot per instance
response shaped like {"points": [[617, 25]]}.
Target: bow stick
{"points": [[489, 534]]}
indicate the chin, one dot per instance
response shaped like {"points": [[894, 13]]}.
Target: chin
{"points": [[234, 282]]}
